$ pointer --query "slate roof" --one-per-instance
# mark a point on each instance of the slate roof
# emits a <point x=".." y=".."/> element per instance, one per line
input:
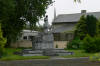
<point x="73" y="17"/>
<point x="63" y="29"/>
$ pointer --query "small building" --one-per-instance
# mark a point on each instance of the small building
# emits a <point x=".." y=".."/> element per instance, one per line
<point x="28" y="34"/>
<point x="64" y="26"/>
<point x="25" y="40"/>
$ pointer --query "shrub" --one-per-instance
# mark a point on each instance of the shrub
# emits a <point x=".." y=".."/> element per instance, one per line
<point x="91" y="44"/>
<point x="56" y="46"/>
<point x="75" y="44"/>
<point x="2" y="43"/>
<point x="97" y="44"/>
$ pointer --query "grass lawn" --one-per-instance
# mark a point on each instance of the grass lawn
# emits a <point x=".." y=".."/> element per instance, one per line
<point x="78" y="53"/>
<point x="10" y="56"/>
<point x="95" y="57"/>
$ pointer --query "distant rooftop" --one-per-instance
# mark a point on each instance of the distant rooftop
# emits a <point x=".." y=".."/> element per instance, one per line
<point x="73" y="17"/>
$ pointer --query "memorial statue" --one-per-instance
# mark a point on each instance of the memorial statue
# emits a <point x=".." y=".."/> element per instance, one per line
<point x="44" y="40"/>
<point x="46" y="25"/>
<point x="42" y="44"/>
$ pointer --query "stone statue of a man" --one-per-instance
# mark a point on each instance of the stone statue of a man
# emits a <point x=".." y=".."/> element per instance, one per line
<point x="46" y="19"/>
<point x="46" y="24"/>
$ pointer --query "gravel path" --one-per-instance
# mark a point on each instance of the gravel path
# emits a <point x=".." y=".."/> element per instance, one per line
<point x="54" y="61"/>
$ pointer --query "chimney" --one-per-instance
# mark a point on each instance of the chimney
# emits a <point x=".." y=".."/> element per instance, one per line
<point x="83" y="12"/>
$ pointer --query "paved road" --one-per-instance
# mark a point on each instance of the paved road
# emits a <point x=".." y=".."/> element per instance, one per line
<point x="51" y="62"/>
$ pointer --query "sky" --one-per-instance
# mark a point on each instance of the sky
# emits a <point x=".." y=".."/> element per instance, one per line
<point x="69" y="7"/>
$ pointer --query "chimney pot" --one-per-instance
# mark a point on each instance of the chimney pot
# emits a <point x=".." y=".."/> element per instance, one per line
<point x="83" y="12"/>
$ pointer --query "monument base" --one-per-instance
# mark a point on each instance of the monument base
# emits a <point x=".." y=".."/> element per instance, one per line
<point x="45" y="52"/>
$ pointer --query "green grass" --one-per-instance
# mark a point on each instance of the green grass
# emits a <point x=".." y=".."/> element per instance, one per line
<point x="95" y="57"/>
<point x="78" y="53"/>
<point x="16" y="57"/>
<point x="10" y="56"/>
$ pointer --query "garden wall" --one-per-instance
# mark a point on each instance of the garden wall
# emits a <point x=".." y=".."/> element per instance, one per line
<point x="27" y="43"/>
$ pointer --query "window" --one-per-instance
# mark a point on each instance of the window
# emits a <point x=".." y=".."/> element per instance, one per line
<point x="63" y="36"/>
<point x="57" y="36"/>
<point x="31" y="37"/>
<point x="25" y="37"/>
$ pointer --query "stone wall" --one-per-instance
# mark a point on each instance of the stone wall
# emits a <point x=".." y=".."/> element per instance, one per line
<point x="22" y="43"/>
<point x="27" y="43"/>
<point x="61" y="44"/>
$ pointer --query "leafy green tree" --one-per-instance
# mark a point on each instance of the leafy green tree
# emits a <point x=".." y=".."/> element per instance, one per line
<point x="13" y="13"/>
<point x="11" y="24"/>
<point x="91" y="23"/>
<point x="2" y="42"/>
<point x="32" y="10"/>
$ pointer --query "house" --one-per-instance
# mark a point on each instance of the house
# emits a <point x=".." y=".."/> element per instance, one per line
<point x="64" y="25"/>
<point x="25" y="40"/>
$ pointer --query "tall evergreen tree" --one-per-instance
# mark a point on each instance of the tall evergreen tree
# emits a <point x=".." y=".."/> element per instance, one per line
<point x="81" y="28"/>
<point x="86" y="25"/>
<point x="98" y="27"/>
<point x="91" y="23"/>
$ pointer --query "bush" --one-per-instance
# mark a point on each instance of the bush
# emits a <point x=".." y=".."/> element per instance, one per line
<point x="91" y="44"/>
<point x="75" y="44"/>
<point x="56" y="46"/>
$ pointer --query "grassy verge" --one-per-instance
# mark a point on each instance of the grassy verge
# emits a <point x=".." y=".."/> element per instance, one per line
<point x="16" y="57"/>
<point x="78" y="53"/>
<point x="10" y="56"/>
<point x="95" y="57"/>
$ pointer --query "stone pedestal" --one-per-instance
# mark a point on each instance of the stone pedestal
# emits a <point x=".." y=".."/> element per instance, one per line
<point x="43" y="41"/>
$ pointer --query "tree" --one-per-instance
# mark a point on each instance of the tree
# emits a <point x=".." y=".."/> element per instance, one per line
<point x="11" y="24"/>
<point x="81" y="28"/>
<point x="32" y="10"/>
<point x="91" y="23"/>
<point x="98" y="28"/>
<point x="86" y="25"/>
<point x="12" y="11"/>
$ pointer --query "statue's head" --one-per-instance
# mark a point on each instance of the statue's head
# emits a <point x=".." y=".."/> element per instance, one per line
<point x="46" y="16"/>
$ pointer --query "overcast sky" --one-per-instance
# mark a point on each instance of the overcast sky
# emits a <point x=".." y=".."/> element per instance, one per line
<point x="69" y="6"/>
